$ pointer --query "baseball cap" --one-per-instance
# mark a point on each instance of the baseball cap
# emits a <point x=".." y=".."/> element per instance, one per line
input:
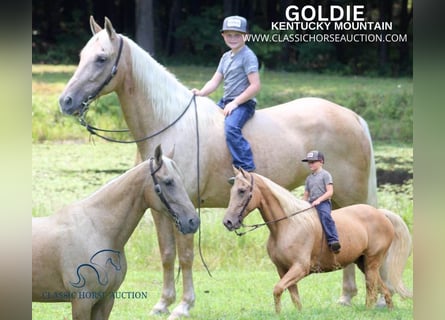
<point x="234" y="23"/>
<point x="314" y="155"/>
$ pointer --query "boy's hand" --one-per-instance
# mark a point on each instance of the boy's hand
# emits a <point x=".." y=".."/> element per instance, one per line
<point x="196" y="92"/>
<point x="229" y="108"/>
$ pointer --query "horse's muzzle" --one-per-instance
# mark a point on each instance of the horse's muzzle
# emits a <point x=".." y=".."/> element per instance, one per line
<point x="189" y="226"/>
<point x="231" y="226"/>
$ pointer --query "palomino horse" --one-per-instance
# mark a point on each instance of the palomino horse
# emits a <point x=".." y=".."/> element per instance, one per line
<point x="297" y="245"/>
<point x="78" y="253"/>
<point x="156" y="105"/>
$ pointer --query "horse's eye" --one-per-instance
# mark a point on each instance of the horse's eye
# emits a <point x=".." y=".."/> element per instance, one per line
<point x="101" y="59"/>
<point x="241" y="192"/>
<point x="168" y="182"/>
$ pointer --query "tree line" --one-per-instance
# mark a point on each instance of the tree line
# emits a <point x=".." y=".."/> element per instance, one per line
<point x="187" y="32"/>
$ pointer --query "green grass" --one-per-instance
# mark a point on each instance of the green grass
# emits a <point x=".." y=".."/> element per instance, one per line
<point x="243" y="275"/>
<point x="242" y="295"/>
<point x="385" y="103"/>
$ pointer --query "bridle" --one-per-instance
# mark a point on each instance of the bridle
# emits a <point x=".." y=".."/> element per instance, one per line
<point x="256" y="226"/>
<point x="246" y="203"/>
<point x="158" y="190"/>
<point x="86" y="103"/>
<point x="94" y="130"/>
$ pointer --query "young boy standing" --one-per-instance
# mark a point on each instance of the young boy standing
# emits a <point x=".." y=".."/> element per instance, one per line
<point x="238" y="68"/>
<point x="318" y="191"/>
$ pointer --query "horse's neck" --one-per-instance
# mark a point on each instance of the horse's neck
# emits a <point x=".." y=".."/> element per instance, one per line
<point x="152" y="98"/>
<point x="116" y="208"/>
<point x="277" y="204"/>
<point x="271" y="209"/>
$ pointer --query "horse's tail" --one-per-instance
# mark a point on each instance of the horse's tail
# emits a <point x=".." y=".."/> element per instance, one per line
<point x="395" y="260"/>
<point x="372" y="180"/>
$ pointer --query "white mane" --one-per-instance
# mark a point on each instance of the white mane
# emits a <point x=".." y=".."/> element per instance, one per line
<point x="291" y="204"/>
<point x="167" y="95"/>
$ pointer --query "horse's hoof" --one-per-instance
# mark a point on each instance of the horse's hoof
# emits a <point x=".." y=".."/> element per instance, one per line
<point x="181" y="311"/>
<point x="344" y="301"/>
<point x="159" y="312"/>
<point x="381" y="303"/>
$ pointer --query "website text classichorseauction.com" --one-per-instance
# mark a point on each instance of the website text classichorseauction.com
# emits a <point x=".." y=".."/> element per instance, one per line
<point x="323" y="22"/>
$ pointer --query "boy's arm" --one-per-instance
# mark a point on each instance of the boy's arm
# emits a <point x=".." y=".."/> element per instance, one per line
<point x="210" y="86"/>
<point x="325" y="196"/>
<point x="306" y="195"/>
<point x="250" y="92"/>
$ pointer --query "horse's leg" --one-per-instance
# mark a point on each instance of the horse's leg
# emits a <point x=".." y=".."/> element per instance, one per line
<point x="167" y="248"/>
<point x="293" y="290"/>
<point x="102" y="309"/>
<point x="185" y="244"/>
<point x="373" y="281"/>
<point x="381" y="301"/>
<point x="295" y="273"/>
<point x="349" y="285"/>
<point x="81" y="309"/>
<point x="385" y="292"/>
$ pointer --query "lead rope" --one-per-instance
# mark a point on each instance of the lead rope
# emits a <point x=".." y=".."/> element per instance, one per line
<point x="198" y="186"/>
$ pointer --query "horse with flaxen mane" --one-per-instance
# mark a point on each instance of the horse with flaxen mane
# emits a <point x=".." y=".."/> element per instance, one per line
<point x="376" y="240"/>
<point x="159" y="109"/>
<point x="78" y="252"/>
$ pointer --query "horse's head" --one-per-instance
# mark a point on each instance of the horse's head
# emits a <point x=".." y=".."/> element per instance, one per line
<point x="172" y="198"/>
<point x="242" y="200"/>
<point x="97" y="72"/>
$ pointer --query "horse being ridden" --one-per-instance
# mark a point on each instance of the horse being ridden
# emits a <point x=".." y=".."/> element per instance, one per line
<point x="297" y="244"/>
<point x="152" y="100"/>
<point x="78" y="253"/>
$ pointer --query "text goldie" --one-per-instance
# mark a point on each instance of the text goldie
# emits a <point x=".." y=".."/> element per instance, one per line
<point x="335" y="13"/>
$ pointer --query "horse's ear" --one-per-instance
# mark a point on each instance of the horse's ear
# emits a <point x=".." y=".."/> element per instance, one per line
<point x="95" y="28"/>
<point x="158" y="154"/>
<point x="243" y="172"/>
<point x="109" y="28"/>
<point x="171" y="153"/>
<point x="235" y="170"/>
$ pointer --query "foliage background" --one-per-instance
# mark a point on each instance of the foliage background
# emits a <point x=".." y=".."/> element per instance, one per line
<point x="188" y="32"/>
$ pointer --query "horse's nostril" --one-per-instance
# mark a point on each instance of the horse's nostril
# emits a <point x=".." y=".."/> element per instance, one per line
<point x="65" y="101"/>
<point x="192" y="222"/>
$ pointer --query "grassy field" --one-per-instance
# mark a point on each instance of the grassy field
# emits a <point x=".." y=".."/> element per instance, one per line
<point x="66" y="167"/>
<point x="243" y="275"/>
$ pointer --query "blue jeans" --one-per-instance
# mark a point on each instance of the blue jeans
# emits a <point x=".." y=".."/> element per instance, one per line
<point x="239" y="147"/>
<point x="328" y="224"/>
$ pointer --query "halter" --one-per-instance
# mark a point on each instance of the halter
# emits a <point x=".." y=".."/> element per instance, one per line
<point x="158" y="190"/>
<point x="256" y="226"/>
<point x="113" y="72"/>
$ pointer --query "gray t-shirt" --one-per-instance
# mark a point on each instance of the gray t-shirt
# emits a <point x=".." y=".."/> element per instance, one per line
<point x="235" y="70"/>
<point x="316" y="184"/>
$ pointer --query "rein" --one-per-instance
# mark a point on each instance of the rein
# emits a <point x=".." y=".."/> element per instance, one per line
<point x="94" y="131"/>
<point x="253" y="227"/>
